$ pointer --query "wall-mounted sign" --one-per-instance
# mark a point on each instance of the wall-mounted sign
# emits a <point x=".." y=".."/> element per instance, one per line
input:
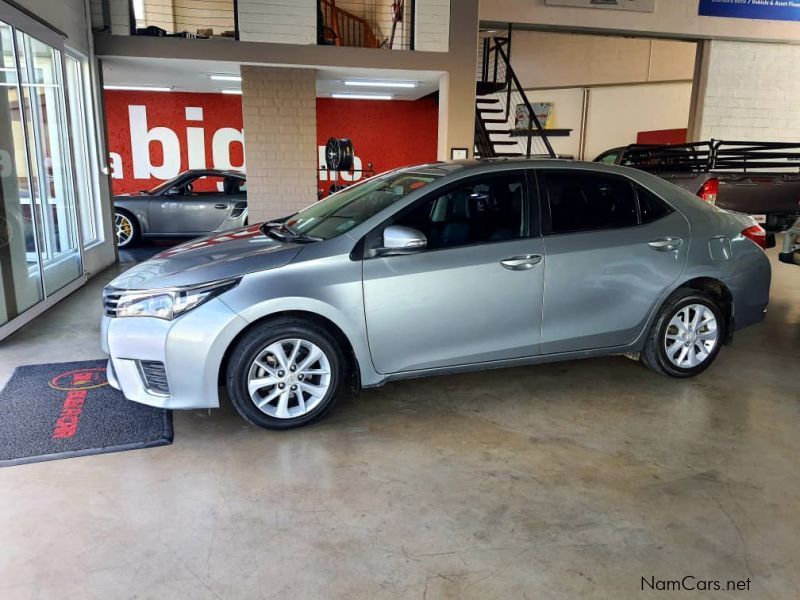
<point x="774" y="10"/>
<point x="635" y="5"/>
<point x="542" y="110"/>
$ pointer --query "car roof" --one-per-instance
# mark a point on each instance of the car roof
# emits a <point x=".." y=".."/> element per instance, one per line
<point x="483" y="165"/>
<point x="222" y="172"/>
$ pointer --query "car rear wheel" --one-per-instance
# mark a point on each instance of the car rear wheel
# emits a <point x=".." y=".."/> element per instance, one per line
<point x="686" y="336"/>
<point x="126" y="229"/>
<point x="285" y="373"/>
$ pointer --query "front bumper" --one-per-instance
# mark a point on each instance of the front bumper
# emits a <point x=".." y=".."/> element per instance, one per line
<point x="191" y="347"/>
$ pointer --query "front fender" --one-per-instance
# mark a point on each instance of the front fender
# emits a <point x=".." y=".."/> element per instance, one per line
<point x="332" y="292"/>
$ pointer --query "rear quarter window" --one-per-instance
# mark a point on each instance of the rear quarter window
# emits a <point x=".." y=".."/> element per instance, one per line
<point x="651" y="207"/>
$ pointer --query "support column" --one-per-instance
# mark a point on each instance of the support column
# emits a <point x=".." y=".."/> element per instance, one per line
<point x="457" y="86"/>
<point x="280" y="137"/>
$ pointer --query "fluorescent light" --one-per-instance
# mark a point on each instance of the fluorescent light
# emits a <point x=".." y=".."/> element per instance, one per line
<point x="363" y="96"/>
<point x="225" y="77"/>
<point x="383" y="84"/>
<point x="138" y="88"/>
<point x="231" y="91"/>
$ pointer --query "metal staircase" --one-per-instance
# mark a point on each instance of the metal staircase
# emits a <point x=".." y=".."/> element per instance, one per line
<point x="505" y="122"/>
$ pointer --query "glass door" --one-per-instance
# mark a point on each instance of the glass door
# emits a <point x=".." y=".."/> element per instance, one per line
<point x="53" y="198"/>
<point x="40" y="237"/>
<point x="20" y="271"/>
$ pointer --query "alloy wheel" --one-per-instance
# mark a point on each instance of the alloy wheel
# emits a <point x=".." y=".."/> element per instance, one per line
<point x="124" y="229"/>
<point x="289" y="378"/>
<point x="691" y="336"/>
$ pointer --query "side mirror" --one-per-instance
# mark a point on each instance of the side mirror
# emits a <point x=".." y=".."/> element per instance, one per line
<point x="398" y="239"/>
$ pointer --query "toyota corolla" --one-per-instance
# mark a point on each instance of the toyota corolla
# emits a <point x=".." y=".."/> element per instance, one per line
<point x="433" y="269"/>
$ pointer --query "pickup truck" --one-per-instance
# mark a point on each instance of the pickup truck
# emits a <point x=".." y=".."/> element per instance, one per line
<point x="761" y="179"/>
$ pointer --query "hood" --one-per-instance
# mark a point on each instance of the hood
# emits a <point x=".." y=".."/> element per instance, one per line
<point x="219" y="256"/>
<point x="142" y="194"/>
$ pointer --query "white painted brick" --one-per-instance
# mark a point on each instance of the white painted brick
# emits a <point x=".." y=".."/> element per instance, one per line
<point x="432" y="27"/>
<point x="278" y="21"/>
<point x="752" y="92"/>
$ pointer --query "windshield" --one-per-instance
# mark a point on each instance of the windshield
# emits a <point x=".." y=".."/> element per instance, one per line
<point x="352" y="206"/>
<point x="169" y="183"/>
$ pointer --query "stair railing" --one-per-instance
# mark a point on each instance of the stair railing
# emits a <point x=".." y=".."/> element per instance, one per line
<point x="349" y="29"/>
<point x="496" y="68"/>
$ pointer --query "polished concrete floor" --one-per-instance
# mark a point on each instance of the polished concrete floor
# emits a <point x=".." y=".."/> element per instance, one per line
<point x="570" y="480"/>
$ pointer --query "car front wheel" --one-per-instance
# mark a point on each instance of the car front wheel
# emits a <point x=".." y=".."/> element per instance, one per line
<point x="285" y="373"/>
<point x="687" y="335"/>
<point x="126" y="229"/>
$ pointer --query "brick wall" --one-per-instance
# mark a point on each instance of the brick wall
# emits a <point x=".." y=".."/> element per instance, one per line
<point x="278" y="21"/>
<point x="751" y="92"/>
<point x="432" y="25"/>
<point x="279" y="118"/>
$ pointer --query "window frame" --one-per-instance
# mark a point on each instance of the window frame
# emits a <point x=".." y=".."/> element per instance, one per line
<point x="546" y="208"/>
<point x="364" y="249"/>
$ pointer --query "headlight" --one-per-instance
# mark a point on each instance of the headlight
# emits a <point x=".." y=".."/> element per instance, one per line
<point x="167" y="303"/>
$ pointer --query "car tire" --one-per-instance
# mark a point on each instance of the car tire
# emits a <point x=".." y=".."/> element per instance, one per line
<point x="126" y="228"/>
<point x="287" y="397"/>
<point x="686" y="336"/>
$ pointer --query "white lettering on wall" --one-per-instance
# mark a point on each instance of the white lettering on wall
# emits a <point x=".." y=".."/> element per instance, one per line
<point x="142" y="137"/>
<point x="221" y="148"/>
<point x="115" y="162"/>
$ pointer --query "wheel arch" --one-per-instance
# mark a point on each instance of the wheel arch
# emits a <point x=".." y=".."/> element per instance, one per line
<point x="353" y="365"/>
<point x="717" y="290"/>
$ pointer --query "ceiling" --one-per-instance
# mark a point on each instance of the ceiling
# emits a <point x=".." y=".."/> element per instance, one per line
<point x="193" y="76"/>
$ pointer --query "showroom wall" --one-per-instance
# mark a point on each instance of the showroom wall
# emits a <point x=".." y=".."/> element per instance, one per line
<point x="200" y="130"/>
<point x="605" y="89"/>
<point x="548" y="59"/>
<point x="672" y="18"/>
<point x="750" y="92"/>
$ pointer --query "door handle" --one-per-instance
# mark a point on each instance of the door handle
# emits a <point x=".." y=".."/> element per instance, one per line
<point x="665" y="244"/>
<point x="221" y="206"/>
<point x="521" y="263"/>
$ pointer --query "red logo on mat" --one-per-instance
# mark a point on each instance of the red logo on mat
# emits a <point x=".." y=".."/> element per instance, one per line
<point x="77" y="385"/>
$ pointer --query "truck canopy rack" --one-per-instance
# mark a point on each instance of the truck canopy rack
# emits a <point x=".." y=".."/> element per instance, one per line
<point x="715" y="155"/>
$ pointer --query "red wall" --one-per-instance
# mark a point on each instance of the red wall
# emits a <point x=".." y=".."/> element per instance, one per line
<point x="388" y="134"/>
<point x="662" y="136"/>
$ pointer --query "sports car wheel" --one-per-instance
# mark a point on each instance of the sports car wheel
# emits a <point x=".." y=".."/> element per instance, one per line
<point x="126" y="229"/>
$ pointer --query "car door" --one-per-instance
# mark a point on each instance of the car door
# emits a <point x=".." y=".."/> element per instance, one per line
<point x="612" y="249"/>
<point x="474" y="294"/>
<point x="236" y="194"/>
<point x="197" y="204"/>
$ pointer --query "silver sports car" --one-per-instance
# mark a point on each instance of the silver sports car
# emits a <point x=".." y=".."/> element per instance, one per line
<point x="192" y="204"/>
<point x="434" y="269"/>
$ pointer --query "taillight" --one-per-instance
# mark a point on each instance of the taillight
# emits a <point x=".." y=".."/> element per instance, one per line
<point x="709" y="190"/>
<point x="756" y="234"/>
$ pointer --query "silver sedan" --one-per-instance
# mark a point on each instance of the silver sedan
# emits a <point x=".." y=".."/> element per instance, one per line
<point x="195" y="203"/>
<point x="439" y="268"/>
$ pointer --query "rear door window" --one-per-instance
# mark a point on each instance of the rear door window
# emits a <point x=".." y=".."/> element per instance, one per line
<point x="583" y="201"/>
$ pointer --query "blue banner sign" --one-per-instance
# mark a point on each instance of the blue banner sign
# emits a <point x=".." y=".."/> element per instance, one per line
<point x="776" y="10"/>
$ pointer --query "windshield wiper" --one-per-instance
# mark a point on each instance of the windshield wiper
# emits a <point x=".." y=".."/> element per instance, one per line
<point x="282" y="232"/>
